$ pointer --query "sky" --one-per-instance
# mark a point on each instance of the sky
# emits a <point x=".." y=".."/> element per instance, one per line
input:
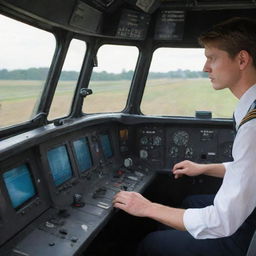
<point x="23" y="46"/>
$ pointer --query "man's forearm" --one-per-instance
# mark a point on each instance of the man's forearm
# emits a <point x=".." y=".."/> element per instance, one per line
<point x="215" y="170"/>
<point x="169" y="216"/>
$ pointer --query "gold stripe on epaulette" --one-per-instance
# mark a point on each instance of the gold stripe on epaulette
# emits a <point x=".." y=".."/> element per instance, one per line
<point x="251" y="112"/>
<point x="248" y="117"/>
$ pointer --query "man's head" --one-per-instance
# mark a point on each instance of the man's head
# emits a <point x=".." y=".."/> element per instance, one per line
<point x="230" y="49"/>
<point x="232" y="36"/>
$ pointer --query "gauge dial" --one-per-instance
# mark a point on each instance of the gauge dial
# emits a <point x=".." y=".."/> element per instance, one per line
<point x="144" y="140"/>
<point x="180" y="138"/>
<point x="143" y="154"/>
<point x="157" y="141"/>
<point x="188" y="153"/>
<point x="174" y="151"/>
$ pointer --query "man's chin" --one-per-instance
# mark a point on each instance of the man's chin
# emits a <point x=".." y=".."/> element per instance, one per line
<point x="216" y="86"/>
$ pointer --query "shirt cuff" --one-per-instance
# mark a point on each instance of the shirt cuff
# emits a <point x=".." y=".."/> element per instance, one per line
<point x="226" y="164"/>
<point x="193" y="222"/>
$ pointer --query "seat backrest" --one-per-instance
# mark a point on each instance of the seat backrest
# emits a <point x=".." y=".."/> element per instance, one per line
<point x="252" y="247"/>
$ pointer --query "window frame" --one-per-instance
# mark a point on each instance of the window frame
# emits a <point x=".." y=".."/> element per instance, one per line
<point x="77" y="82"/>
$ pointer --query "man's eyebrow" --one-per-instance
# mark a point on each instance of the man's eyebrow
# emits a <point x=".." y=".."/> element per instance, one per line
<point x="209" y="55"/>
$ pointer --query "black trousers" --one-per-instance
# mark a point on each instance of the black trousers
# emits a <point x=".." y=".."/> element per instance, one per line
<point x="170" y="242"/>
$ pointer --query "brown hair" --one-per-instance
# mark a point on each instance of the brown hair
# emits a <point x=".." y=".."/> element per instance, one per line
<point x="232" y="36"/>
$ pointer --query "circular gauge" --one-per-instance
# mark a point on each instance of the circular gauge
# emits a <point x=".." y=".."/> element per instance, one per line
<point x="128" y="162"/>
<point x="188" y="153"/>
<point x="180" y="138"/>
<point x="157" y="141"/>
<point x="143" y="154"/>
<point x="174" y="151"/>
<point x="144" y="140"/>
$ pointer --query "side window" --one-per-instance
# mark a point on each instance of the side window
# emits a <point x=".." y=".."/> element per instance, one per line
<point x="68" y="80"/>
<point x="25" y="53"/>
<point x="111" y="80"/>
<point x="176" y="86"/>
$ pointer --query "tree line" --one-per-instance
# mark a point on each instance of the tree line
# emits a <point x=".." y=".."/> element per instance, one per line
<point x="41" y="74"/>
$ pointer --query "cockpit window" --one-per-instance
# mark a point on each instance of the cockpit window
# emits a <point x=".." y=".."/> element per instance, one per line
<point x="111" y="79"/>
<point x="176" y="86"/>
<point x="66" y="86"/>
<point x="25" y="53"/>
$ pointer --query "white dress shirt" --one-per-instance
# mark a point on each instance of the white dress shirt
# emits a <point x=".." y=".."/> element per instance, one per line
<point x="236" y="198"/>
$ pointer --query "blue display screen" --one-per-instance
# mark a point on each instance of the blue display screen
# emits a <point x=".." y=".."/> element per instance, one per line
<point x="106" y="146"/>
<point x="19" y="185"/>
<point x="83" y="154"/>
<point x="59" y="165"/>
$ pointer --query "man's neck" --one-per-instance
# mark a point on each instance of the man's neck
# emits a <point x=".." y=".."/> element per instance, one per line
<point x="243" y="85"/>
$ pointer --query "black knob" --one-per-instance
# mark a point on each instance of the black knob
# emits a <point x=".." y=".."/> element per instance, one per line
<point x="77" y="200"/>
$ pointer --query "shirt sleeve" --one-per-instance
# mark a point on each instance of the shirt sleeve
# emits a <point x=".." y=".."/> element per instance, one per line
<point x="236" y="198"/>
<point x="226" y="164"/>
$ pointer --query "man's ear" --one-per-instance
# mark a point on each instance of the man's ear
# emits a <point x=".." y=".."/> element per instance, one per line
<point x="243" y="59"/>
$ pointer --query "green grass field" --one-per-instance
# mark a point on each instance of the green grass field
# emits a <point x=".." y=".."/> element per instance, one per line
<point x="173" y="97"/>
<point x="184" y="97"/>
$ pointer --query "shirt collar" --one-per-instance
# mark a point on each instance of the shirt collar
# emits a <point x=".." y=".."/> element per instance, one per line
<point x="244" y="104"/>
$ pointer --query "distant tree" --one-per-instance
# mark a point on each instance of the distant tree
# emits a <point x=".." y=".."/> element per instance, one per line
<point x="41" y="74"/>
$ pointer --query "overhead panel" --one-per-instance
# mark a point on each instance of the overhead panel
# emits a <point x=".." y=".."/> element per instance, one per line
<point x="86" y="18"/>
<point x="133" y="25"/>
<point x="170" y="25"/>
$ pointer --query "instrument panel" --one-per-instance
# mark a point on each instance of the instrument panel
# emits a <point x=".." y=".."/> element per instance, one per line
<point x="68" y="181"/>
<point x="166" y="147"/>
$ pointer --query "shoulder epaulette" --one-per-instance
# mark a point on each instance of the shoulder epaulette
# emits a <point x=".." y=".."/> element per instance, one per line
<point x="249" y="116"/>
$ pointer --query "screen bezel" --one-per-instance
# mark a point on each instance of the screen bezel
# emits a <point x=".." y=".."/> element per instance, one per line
<point x="30" y="167"/>
<point x="89" y="150"/>
<point x="69" y="159"/>
<point x="103" y="133"/>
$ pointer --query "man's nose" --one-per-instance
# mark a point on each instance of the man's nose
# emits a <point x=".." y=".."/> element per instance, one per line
<point x="206" y="68"/>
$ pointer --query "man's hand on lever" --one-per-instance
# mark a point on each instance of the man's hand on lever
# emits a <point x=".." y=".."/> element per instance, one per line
<point x="131" y="202"/>
<point x="187" y="168"/>
<point x="137" y="205"/>
<point x="190" y="168"/>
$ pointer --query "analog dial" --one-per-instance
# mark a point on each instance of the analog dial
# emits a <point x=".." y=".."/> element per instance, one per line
<point x="180" y="138"/>
<point x="188" y="153"/>
<point x="157" y="141"/>
<point x="144" y="140"/>
<point x="174" y="151"/>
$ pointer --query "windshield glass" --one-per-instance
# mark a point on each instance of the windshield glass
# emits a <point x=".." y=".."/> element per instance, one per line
<point x="26" y="53"/>
<point x="111" y="79"/>
<point x="176" y="86"/>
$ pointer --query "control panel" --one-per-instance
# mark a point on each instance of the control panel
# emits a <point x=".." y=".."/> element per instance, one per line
<point x="71" y="228"/>
<point x="56" y="196"/>
<point x="164" y="147"/>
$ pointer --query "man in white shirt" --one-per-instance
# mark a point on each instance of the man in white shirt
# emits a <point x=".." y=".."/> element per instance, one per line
<point x="224" y="224"/>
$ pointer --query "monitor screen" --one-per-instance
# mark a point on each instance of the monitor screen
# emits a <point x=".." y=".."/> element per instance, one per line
<point x="106" y="145"/>
<point x="60" y="165"/>
<point x="19" y="185"/>
<point x="83" y="155"/>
